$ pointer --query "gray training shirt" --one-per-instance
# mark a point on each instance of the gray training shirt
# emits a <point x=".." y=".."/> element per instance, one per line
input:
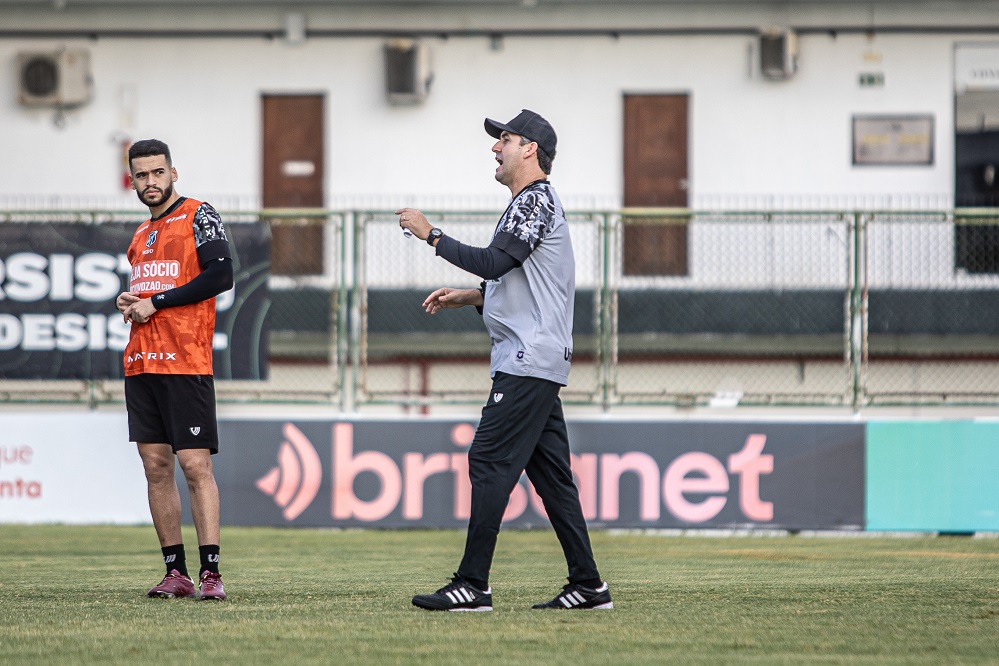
<point x="528" y="311"/>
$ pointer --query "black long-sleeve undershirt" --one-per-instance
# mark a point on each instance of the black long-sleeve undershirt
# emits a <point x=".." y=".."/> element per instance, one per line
<point x="489" y="263"/>
<point x="215" y="277"/>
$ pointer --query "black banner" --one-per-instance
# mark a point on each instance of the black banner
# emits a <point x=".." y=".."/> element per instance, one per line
<point x="630" y="474"/>
<point x="58" y="283"/>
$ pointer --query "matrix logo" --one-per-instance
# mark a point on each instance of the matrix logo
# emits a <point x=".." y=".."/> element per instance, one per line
<point x="295" y="481"/>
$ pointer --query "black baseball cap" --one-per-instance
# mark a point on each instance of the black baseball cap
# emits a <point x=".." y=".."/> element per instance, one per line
<point x="529" y="125"/>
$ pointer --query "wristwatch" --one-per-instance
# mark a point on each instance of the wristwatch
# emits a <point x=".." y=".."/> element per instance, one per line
<point x="434" y="234"/>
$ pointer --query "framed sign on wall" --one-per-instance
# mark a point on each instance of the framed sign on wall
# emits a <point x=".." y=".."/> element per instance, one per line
<point x="880" y="140"/>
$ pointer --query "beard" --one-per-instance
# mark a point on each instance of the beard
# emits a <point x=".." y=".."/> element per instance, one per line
<point x="502" y="177"/>
<point x="167" y="193"/>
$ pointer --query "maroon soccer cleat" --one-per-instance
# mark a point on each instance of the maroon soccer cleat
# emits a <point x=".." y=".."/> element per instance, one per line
<point x="174" y="586"/>
<point x="211" y="586"/>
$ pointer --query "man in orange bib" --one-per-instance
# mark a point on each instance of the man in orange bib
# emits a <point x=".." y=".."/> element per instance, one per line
<point x="180" y="262"/>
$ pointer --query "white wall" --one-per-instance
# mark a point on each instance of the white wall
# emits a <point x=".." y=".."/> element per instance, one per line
<point x="752" y="142"/>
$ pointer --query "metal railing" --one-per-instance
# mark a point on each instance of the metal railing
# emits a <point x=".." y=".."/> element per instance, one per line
<point x="674" y="307"/>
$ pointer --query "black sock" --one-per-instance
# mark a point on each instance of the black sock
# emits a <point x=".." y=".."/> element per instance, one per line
<point x="592" y="583"/>
<point x="174" y="559"/>
<point x="209" y="558"/>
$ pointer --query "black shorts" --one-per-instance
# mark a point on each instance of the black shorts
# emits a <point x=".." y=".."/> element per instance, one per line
<point x="178" y="410"/>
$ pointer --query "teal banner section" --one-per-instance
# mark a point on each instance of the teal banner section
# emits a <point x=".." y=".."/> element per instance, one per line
<point x="940" y="476"/>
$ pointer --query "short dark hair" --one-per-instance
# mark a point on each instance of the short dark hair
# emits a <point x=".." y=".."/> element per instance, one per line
<point x="544" y="159"/>
<point x="149" y="148"/>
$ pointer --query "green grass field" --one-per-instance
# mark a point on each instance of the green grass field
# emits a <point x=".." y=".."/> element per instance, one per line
<point x="73" y="594"/>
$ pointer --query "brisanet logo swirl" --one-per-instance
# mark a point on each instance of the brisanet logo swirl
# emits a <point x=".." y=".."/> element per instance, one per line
<point x="295" y="481"/>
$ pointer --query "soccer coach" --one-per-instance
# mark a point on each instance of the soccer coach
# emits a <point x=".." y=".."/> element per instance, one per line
<point x="526" y="300"/>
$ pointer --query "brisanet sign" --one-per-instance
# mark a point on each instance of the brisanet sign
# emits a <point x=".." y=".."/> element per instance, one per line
<point x="414" y="473"/>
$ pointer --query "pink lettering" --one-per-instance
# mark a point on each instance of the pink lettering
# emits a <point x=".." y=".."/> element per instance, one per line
<point x="295" y="481"/>
<point x="612" y="466"/>
<point x="15" y="455"/>
<point x="19" y="488"/>
<point x="584" y="468"/>
<point x="462" y="434"/>
<point x="749" y="464"/>
<point x="676" y="483"/>
<point x="417" y="469"/>
<point x="462" y="486"/>
<point x="346" y="466"/>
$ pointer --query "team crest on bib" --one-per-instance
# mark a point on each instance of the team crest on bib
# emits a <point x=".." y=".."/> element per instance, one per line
<point x="497" y="397"/>
<point x="152" y="238"/>
<point x="196" y="430"/>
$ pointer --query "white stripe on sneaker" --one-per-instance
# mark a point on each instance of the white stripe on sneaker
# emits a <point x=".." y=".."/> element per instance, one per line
<point x="460" y="596"/>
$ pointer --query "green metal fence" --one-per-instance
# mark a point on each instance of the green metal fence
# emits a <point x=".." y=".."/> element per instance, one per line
<point x="674" y="307"/>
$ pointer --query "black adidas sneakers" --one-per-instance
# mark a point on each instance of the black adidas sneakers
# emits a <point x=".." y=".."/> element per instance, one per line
<point x="575" y="597"/>
<point x="456" y="596"/>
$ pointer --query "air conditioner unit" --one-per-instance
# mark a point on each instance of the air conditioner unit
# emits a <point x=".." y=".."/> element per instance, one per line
<point x="54" y="78"/>
<point x="407" y="71"/>
<point x="778" y="54"/>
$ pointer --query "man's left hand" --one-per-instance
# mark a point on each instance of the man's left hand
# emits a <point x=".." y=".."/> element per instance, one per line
<point x="415" y="221"/>
<point x="140" y="311"/>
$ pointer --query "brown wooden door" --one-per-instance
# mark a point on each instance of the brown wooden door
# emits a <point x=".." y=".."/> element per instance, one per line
<point x="293" y="177"/>
<point x="655" y="176"/>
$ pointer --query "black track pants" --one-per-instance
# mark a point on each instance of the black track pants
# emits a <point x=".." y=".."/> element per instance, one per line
<point x="523" y="428"/>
